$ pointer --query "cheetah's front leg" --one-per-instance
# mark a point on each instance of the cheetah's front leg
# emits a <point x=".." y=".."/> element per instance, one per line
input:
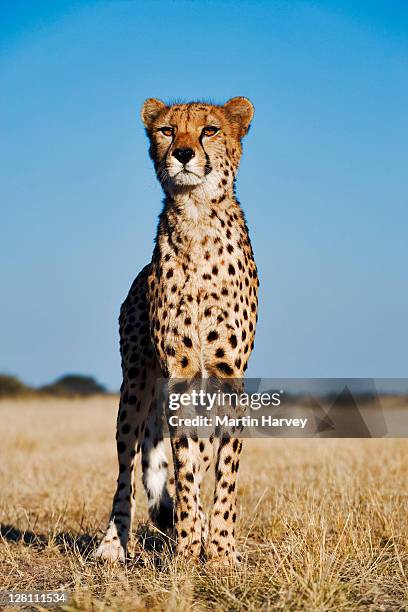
<point x="189" y="517"/>
<point x="221" y="543"/>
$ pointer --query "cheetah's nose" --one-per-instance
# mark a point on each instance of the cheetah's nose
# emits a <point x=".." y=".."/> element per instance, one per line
<point x="183" y="155"/>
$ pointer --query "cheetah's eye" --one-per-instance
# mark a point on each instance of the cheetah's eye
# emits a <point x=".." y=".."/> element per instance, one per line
<point x="167" y="131"/>
<point x="210" y="130"/>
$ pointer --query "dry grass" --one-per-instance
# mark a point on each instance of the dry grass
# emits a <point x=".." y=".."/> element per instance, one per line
<point x="322" y="526"/>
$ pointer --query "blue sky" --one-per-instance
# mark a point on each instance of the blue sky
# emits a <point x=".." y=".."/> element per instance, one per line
<point x="323" y="180"/>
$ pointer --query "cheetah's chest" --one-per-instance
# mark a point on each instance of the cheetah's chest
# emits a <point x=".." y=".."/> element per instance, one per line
<point x="193" y="297"/>
<point x="200" y="285"/>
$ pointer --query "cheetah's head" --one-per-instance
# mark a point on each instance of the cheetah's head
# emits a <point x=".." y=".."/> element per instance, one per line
<point x="196" y="144"/>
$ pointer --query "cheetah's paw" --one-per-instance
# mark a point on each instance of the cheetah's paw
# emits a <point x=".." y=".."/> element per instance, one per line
<point x="110" y="550"/>
<point x="233" y="559"/>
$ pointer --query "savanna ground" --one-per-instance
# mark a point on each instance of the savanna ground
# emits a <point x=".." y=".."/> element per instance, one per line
<point x="322" y="523"/>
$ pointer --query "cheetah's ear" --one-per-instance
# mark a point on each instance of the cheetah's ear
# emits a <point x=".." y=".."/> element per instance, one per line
<point x="150" y="109"/>
<point x="240" y="111"/>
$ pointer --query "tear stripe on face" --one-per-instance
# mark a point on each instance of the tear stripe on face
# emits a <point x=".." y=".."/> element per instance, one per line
<point x="207" y="167"/>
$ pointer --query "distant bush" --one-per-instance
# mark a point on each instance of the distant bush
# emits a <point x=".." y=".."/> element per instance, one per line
<point x="11" y="385"/>
<point x="74" y="384"/>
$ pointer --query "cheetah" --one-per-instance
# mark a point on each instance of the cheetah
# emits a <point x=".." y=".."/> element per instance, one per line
<point x="190" y="313"/>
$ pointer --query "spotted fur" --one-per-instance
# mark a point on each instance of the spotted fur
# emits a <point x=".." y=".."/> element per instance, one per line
<point x="190" y="313"/>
